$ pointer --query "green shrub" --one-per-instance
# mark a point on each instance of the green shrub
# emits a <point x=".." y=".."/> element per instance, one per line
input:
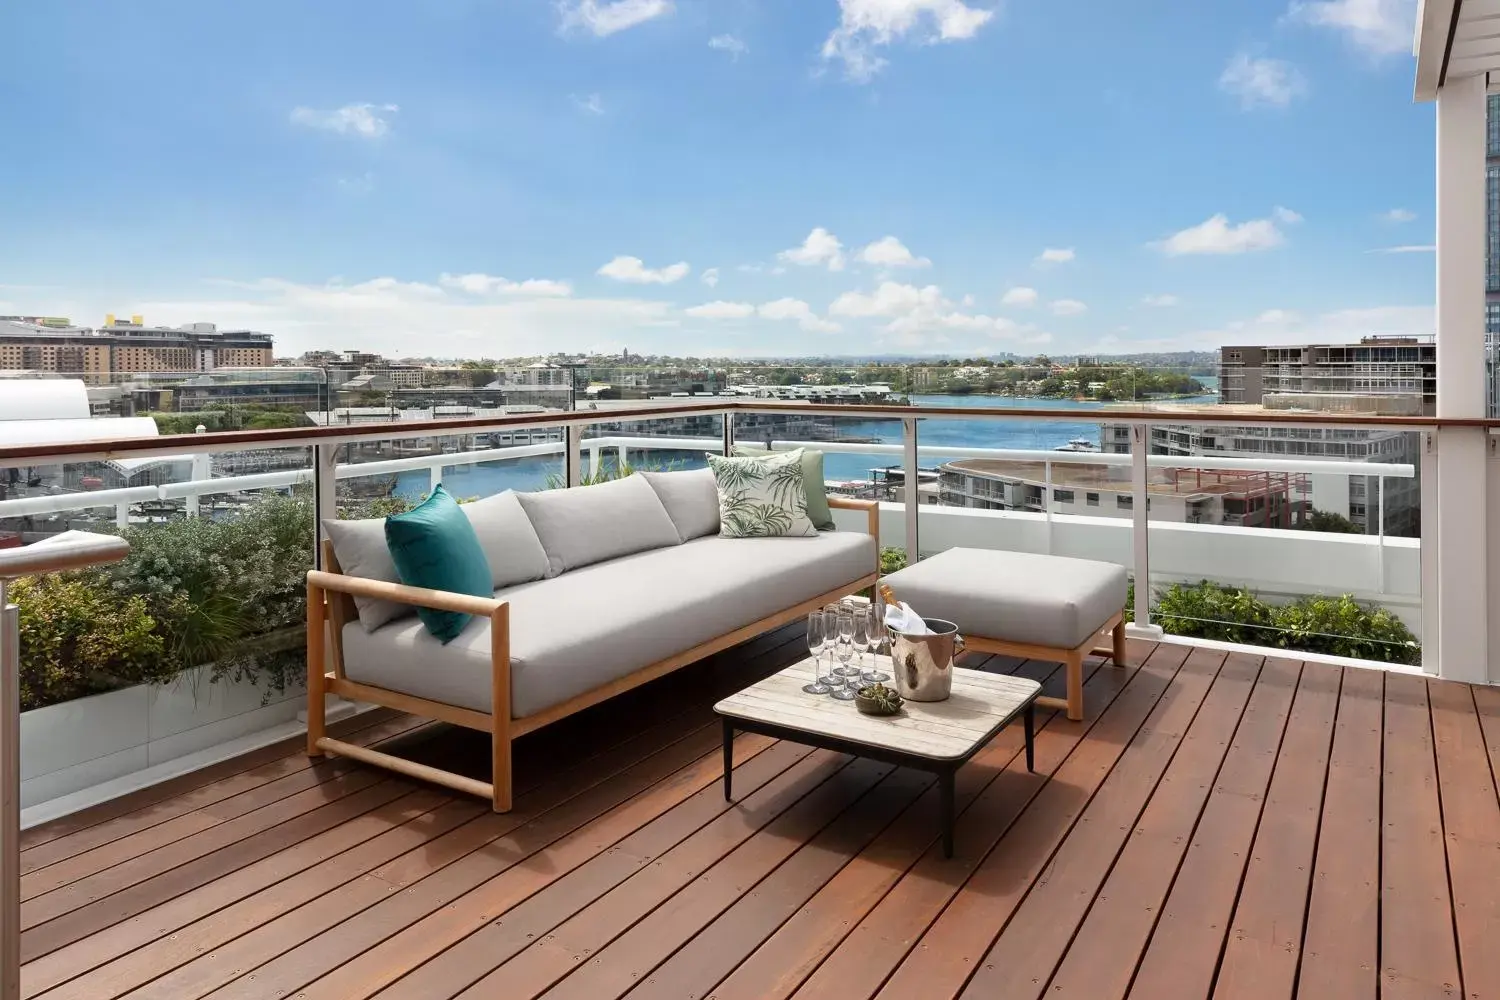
<point x="1338" y="626"/>
<point x="892" y="559"/>
<point x="78" y="638"/>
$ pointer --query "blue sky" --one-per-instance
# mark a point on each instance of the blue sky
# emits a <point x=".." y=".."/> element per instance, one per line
<point x="752" y="177"/>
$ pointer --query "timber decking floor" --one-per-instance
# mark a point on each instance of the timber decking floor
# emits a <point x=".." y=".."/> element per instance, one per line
<point x="1225" y="826"/>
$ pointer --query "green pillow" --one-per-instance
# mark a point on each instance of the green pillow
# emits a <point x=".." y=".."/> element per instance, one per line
<point x="812" y="482"/>
<point x="434" y="546"/>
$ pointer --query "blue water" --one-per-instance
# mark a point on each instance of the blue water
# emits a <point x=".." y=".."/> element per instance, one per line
<point x="1041" y="435"/>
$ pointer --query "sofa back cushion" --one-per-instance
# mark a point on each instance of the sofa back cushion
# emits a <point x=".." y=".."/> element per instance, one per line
<point x="361" y="551"/>
<point x="510" y="544"/>
<point x="691" y="500"/>
<point x="589" y="524"/>
<point x="435" y="547"/>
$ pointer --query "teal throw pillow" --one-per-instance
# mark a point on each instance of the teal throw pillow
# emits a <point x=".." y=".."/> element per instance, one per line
<point x="812" y="483"/>
<point x="434" y="546"/>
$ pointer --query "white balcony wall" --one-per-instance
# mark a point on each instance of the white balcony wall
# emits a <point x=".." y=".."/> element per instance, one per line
<point x="1277" y="564"/>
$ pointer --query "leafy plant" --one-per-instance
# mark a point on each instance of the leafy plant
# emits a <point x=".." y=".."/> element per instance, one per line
<point x="78" y="637"/>
<point x="892" y="559"/>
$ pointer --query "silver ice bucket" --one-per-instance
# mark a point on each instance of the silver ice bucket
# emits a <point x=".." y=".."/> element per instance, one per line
<point x="923" y="664"/>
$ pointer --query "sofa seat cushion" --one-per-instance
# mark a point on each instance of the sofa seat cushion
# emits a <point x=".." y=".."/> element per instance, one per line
<point x="575" y="632"/>
<point x="1014" y="596"/>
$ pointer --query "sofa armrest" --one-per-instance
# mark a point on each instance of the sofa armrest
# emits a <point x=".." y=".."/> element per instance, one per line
<point x="438" y="600"/>
<point x="870" y="507"/>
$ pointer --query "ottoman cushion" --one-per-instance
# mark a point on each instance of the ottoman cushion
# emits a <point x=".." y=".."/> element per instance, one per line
<point x="1014" y="596"/>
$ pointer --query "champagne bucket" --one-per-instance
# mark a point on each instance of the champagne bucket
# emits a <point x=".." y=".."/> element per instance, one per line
<point x="923" y="664"/>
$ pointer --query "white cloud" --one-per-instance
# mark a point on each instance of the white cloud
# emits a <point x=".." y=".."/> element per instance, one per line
<point x="911" y="309"/>
<point x="1380" y="27"/>
<point x="1216" y="236"/>
<point x="1398" y="216"/>
<point x="866" y="25"/>
<point x="1407" y="248"/>
<point x="797" y="310"/>
<point x="487" y="284"/>
<point x="402" y="318"/>
<point x="891" y="252"/>
<point x="593" y="104"/>
<point x="1055" y="255"/>
<point x="721" y="310"/>
<point x="710" y="277"/>
<point x="1285" y="215"/>
<point x="605" y="17"/>
<point x="1262" y="82"/>
<point x="968" y="301"/>
<point x="1276" y="317"/>
<point x="1021" y="296"/>
<point x="1069" y="307"/>
<point x="635" y="271"/>
<point x="729" y="43"/>
<point x="1160" y="301"/>
<point x="369" y="121"/>
<point x="820" y="248"/>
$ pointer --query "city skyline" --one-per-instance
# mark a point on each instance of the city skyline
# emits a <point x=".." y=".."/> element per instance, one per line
<point x="746" y="179"/>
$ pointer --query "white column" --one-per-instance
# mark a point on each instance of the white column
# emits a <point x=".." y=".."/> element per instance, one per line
<point x="1461" y="546"/>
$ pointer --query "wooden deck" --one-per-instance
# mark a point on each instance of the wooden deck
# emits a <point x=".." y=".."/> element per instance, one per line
<point x="1219" y="826"/>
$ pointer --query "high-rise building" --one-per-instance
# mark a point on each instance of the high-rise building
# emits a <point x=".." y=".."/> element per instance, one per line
<point x="1390" y="375"/>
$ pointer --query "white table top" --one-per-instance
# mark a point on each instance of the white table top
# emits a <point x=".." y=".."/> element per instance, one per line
<point x="980" y="704"/>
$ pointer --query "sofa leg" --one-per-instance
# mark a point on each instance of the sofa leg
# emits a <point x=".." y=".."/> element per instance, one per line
<point x="500" y="779"/>
<point x="1119" y="637"/>
<point x="1074" y="664"/>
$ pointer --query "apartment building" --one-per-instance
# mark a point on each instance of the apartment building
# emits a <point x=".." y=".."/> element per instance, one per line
<point x="1395" y="376"/>
<point x="1192" y="496"/>
<point x="120" y="347"/>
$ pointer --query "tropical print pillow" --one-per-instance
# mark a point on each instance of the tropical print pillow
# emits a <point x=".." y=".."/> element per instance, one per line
<point x="761" y="497"/>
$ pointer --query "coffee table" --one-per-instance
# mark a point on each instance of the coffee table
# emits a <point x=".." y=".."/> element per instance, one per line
<point x="936" y="736"/>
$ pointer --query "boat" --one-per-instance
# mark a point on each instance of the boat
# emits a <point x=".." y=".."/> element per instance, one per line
<point x="1078" y="444"/>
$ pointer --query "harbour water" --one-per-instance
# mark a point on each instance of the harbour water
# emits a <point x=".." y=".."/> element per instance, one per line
<point x="1039" y="435"/>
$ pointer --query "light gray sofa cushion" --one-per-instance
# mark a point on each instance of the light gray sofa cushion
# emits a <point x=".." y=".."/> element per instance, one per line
<point x="574" y="632"/>
<point x="1015" y="596"/>
<point x="361" y="551"/>
<point x="509" y="541"/>
<point x="505" y="533"/>
<point x="691" y="499"/>
<point x="589" y="524"/>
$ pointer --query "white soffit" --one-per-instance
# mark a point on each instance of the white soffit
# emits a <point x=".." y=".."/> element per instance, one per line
<point x="1456" y="39"/>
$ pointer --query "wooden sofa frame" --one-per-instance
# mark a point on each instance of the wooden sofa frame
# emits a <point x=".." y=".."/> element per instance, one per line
<point x="330" y="605"/>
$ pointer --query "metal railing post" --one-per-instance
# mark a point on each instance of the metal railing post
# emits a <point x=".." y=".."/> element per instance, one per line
<point x="434" y="476"/>
<point x="325" y="494"/>
<point x="10" y="796"/>
<point x="202" y="469"/>
<point x="1140" y="435"/>
<point x="1047" y="501"/>
<point x="593" y="461"/>
<point x="728" y="421"/>
<point x="1380" y="520"/>
<point x="122" y="514"/>
<point x="912" y="500"/>
<point x="573" y="455"/>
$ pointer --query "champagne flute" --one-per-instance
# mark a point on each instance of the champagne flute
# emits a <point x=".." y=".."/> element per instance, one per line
<point x="845" y="650"/>
<point x="817" y="639"/>
<point x="875" y="634"/>
<point x="860" y="640"/>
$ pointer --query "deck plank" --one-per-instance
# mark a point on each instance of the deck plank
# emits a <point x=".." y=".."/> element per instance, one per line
<point x="1340" y="945"/>
<point x="1417" y="951"/>
<point x="1265" y="938"/>
<point x="1184" y="949"/>
<point x="1136" y="830"/>
<point x="960" y="901"/>
<point x="1471" y="827"/>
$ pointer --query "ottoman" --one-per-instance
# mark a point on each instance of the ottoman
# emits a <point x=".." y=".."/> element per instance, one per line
<point x="1022" y="604"/>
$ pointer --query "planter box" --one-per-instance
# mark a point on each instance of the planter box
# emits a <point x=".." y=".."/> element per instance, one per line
<point x="87" y="742"/>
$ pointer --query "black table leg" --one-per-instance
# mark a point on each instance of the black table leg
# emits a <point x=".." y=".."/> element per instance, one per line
<point x="728" y="756"/>
<point x="1030" y="722"/>
<point x="945" y="794"/>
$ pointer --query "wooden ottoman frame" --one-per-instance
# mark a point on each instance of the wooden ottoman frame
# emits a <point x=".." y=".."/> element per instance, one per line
<point x="1072" y="659"/>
